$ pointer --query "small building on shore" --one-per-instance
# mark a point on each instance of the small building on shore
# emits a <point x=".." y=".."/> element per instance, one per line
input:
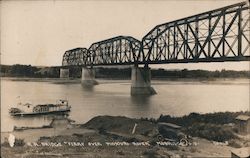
<point x="243" y="124"/>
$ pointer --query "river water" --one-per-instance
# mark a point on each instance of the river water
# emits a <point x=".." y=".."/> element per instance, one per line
<point x="175" y="98"/>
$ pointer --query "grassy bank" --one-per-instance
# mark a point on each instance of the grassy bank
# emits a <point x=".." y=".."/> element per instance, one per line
<point x="204" y="129"/>
<point x="212" y="126"/>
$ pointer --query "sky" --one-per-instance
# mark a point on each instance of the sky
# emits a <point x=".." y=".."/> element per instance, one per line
<point x="39" y="32"/>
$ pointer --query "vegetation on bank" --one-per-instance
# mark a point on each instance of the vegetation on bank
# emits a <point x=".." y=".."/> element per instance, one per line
<point x="118" y="130"/>
<point x="28" y="71"/>
<point x="218" y="126"/>
<point x="116" y="73"/>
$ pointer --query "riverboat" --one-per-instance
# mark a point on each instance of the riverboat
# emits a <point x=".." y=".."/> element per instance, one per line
<point x="28" y="109"/>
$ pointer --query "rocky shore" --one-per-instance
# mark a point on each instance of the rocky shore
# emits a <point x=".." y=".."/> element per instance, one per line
<point x="117" y="136"/>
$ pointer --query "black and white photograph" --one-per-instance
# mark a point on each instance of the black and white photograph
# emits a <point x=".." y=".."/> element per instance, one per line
<point x="125" y="78"/>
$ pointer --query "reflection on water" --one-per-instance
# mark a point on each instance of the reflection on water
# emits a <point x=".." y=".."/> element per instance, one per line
<point x="141" y="100"/>
<point x="174" y="98"/>
<point x="87" y="88"/>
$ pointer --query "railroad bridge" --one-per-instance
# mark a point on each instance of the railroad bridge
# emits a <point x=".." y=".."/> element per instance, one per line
<point x="218" y="35"/>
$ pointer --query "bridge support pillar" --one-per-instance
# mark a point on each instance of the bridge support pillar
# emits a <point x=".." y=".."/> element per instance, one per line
<point x="141" y="81"/>
<point x="64" y="73"/>
<point x="88" y="77"/>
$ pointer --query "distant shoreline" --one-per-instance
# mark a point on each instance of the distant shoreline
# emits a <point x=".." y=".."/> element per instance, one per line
<point x="119" y="73"/>
<point x="42" y="79"/>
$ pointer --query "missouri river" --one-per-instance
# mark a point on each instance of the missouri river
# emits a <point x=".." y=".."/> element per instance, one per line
<point x="113" y="98"/>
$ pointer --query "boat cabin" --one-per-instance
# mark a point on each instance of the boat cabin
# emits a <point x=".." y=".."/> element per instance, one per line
<point x="61" y="105"/>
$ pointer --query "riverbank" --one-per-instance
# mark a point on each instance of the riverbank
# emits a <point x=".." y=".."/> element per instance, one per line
<point x="117" y="136"/>
<point x="18" y="70"/>
<point x="52" y="80"/>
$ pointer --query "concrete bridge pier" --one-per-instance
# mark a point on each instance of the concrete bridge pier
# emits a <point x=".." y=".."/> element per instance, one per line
<point x="64" y="73"/>
<point x="88" y="77"/>
<point x="141" y="81"/>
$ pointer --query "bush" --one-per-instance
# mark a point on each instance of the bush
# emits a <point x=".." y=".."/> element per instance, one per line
<point x="19" y="142"/>
<point x="210" y="131"/>
<point x="218" y="118"/>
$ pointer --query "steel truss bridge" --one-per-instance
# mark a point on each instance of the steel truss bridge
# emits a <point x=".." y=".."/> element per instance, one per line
<point x="215" y="36"/>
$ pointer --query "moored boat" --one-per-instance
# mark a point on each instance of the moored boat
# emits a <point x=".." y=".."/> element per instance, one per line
<point x="28" y="109"/>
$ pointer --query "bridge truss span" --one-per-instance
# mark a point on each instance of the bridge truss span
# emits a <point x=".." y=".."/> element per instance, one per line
<point x="217" y="35"/>
<point x="75" y="57"/>
<point x="214" y="36"/>
<point x="118" y="50"/>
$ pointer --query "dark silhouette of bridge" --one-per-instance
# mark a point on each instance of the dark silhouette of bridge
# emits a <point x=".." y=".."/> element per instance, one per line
<point x="214" y="36"/>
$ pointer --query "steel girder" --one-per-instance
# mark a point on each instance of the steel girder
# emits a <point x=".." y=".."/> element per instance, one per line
<point x="115" y="51"/>
<point x="75" y="57"/>
<point x="214" y="36"/>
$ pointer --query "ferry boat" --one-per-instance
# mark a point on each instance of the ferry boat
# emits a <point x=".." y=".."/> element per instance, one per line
<point x="28" y="109"/>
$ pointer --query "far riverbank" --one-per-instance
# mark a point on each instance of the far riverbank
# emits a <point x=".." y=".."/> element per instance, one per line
<point x="154" y="80"/>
